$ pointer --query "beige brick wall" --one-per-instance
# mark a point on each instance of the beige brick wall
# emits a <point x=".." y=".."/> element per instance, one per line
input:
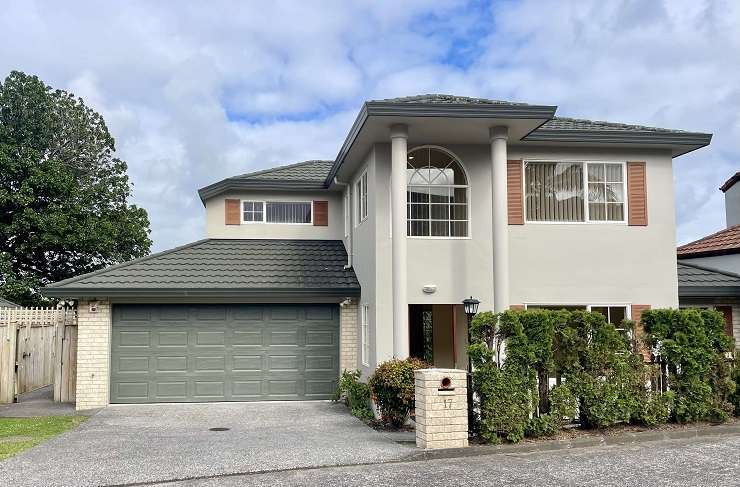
<point x="93" y="354"/>
<point x="441" y="415"/>
<point x="348" y="333"/>
<point x="736" y="325"/>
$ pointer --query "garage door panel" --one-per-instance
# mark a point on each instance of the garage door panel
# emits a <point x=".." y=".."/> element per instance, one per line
<point x="186" y="353"/>
<point x="133" y="364"/>
<point x="320" y="363"/>
<point x="209" y="389"/>
<point x="133" y="338"/>
<point x="246" y="389"/>
<point x="172" y="364"/>
<point x="131" y="391"/>
<point x="247" y="338"/>
<point x="172" y="338"/>
<point x="171" y="390"/>
<point x="247" y="363"/>
<point x="210" y="338"/>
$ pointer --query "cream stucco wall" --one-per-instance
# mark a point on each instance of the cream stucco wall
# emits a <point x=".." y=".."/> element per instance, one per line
<point x="216" y="225"/>
<point x="550" y="263"/>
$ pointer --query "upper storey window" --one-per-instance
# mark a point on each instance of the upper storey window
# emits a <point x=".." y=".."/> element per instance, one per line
<point x="437" y="194"/>
<point x="575" y="192"/>
<point x="276" y="212"/>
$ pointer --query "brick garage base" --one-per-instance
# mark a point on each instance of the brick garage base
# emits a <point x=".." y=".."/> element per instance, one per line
<point x="93" y="354"/>
<point x="441" y="404"/>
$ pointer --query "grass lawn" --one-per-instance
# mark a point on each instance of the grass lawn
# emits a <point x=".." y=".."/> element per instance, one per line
<point x="18" y="434"/>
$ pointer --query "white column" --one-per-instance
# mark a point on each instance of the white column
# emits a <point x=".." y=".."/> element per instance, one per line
<point x="399" y="138"/>
<point x="498" y="137"/>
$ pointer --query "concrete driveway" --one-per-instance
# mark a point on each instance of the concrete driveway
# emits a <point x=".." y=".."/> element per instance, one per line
<point x="141" y="444"/>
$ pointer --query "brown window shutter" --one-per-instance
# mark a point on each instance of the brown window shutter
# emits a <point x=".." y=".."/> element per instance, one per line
<point x="637" y="194"/>
<point x="517" y="307"/>
<point x="637" y="310"/>
<point x="515" y="198"/>
<point x="727" y="312"/>
<point x="321" y="213"/>
<point x="232" y="212"/>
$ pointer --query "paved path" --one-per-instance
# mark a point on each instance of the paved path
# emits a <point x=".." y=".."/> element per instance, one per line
<point x="130" y="444"/>
<point x="705" y="462"/>
<point x="37" y="403"/>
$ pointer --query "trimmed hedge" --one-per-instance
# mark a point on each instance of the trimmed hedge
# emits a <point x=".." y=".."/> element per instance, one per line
<point x="602" y="380"/>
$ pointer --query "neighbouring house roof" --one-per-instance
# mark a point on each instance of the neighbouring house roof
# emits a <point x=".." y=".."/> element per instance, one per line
<point x="700" y="281"/>
<point x="730" y="182"/>
<point x="308" y="175"/>
<point x="224" y="268"/>
<point x="724" y="242"/>
<point x="4" y="303"/>
<point x="319" y="175"/>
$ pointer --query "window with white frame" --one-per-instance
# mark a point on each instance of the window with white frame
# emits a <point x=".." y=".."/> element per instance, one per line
<point x="295" y="212"/>
<point x="574" y="191"/>
<point x="436" y="195"/>
<point x="361" y="192"/>
<point x="288" y="212"/>
<point x="365" y="334"/>
<point x="253" y="211"/>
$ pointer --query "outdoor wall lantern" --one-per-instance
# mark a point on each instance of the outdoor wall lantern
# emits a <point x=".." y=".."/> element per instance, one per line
<point x="471" y="308"/>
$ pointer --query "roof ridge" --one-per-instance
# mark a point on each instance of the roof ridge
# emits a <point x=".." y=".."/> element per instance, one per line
<point x="127" y="263"/>
<point x="277" y="168"/>
<point x="709" y="269"/>
<point x="733" y="227"/>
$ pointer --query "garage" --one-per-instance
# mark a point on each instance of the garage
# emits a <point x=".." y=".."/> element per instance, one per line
<point x="216" y="352"/>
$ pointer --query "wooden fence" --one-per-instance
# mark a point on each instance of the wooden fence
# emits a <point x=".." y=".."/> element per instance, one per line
<point x="37" y="349"/>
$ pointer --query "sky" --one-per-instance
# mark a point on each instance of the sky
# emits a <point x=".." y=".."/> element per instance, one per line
<point x="195" y="92"/>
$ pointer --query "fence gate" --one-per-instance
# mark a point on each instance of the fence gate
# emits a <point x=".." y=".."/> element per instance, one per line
<point x="33" y="352"/>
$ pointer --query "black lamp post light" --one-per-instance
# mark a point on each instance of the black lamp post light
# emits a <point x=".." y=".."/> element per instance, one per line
<point x="471" y="309"/>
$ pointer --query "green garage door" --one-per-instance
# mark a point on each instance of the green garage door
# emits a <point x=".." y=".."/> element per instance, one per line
<point x="198" y="353"/>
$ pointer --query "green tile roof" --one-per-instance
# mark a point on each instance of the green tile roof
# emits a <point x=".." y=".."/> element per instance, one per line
<point x="222" y="267"/>
<point x="316" y="170"/>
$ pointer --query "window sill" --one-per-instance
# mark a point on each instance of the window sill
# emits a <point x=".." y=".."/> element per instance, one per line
<point x="623" y="223"/>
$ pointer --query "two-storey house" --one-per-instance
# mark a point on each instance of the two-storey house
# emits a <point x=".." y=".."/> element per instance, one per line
<point x="320" y="266"/>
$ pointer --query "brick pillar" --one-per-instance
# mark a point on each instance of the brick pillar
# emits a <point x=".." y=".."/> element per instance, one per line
<point x="93" y="354"/>
<point x="441" y="408"/>
<point x="348" y="336"/>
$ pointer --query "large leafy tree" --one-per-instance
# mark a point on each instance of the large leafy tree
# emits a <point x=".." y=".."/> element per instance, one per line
<point x="63" y="193"/>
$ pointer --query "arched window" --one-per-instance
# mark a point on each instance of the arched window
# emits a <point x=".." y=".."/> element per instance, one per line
<point x="437" y="194"/>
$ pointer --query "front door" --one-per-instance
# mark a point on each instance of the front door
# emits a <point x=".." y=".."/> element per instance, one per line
<point x="438" y="334"/>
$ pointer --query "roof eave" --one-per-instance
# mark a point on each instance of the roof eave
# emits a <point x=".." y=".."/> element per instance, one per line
<point x="707" y="253"/>
<point x="689" y="140"/>
<point x="78" y="292"/>
<point x="451" y="110"/>
<point x="230" y="184"/>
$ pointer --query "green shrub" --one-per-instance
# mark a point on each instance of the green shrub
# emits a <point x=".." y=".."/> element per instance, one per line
<point x="505" y="402"/>
<point x="735" y="397"/>
<point x="355" y="394"/>
<point x="545" y="425"/>
<point x="393" y="390"/>
<point x="693" y="344"/>
<point x="563" y="403"/>
<point x="654" y="408"/>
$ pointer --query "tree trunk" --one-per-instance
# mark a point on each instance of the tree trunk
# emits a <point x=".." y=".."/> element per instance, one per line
<point x="544" y="391"/>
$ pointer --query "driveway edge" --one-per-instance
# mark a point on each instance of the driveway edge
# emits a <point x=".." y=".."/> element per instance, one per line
<point x="600" y="440"/>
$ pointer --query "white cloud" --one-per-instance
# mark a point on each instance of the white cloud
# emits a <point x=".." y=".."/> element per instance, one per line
<point x="196" y="91"/>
